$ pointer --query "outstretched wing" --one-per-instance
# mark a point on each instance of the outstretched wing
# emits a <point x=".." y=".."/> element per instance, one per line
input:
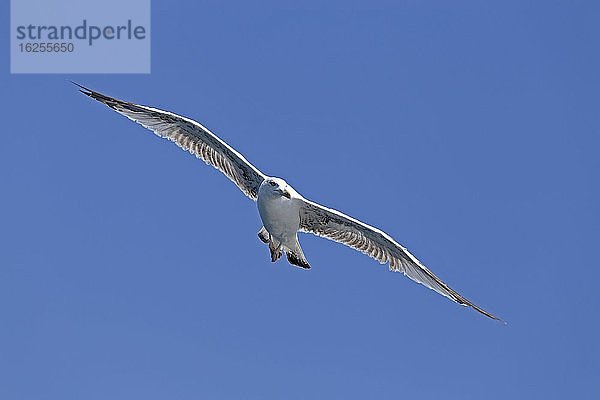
<point x="334" y="225"/>
<point x="190" y="136"/>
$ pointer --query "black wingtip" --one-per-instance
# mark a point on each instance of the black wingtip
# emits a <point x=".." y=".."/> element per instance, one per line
<point x="83" y="89"/>
<point x="487" y="314"/>
<point x="109" y="101"/>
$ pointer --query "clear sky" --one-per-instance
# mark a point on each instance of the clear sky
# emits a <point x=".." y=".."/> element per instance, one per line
<point x="468" y="131"/>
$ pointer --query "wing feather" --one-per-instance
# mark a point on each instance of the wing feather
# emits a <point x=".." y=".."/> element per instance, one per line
<point x="336" y="226"/>
<point x="190" y="136"/>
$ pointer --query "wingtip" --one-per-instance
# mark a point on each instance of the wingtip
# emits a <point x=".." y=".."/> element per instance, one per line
<point x="487" y="314"/>
<point x="97" y="95"/>
<point x="83" y="89"/>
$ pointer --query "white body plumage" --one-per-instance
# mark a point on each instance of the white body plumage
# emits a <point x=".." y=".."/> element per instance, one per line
<point x="279" y="208"/>
<point x="280" y="212"/>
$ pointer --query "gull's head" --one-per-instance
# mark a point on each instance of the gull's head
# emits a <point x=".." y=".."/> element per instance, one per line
<point x="276" y="187"/>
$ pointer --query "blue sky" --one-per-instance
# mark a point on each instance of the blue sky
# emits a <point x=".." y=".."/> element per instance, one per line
<point x="468" y="131"/>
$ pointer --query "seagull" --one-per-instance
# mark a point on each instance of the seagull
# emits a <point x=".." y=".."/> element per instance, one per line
<point x="283" y="211"/>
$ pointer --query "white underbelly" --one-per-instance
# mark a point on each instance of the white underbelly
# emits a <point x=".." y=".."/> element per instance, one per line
<point x="280" y="217"/>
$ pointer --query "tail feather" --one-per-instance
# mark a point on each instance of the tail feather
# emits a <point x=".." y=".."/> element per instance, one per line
<point x="297" y="259"/>
<point x="295" y="256"/>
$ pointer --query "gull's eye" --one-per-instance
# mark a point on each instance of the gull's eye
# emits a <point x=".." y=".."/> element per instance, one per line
<point x="273" y="183"/>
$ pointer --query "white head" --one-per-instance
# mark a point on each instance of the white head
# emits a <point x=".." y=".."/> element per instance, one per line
<point x="276" y="187"/>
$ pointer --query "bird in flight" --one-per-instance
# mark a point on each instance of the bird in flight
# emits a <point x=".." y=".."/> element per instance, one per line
<point x="283" y="211"/>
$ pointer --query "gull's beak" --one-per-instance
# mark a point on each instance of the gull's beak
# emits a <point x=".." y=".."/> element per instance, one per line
<point x="285" y="193"/>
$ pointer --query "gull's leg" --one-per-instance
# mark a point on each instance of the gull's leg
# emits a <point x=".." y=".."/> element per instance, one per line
<point x="263" y="235"/>
<point x="275" y="250"/>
